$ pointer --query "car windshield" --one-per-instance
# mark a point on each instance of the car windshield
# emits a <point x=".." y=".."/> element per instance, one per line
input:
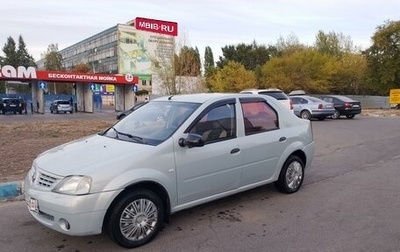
<point x="154" y="123"/>
<point x="63" y="102"/>
<point x="345" y="99"/>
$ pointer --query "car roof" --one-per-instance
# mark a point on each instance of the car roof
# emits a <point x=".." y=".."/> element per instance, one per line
<point x="196" y="98"/>
<point x="341" y="97"/>
<point x="308" y="97"/>
<point x="256" y="91"/>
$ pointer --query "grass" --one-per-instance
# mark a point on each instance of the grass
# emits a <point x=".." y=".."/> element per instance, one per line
<point x="21" y="142"/>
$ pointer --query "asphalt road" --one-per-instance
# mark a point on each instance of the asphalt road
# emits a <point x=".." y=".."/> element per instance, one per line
<point x="349" y="201"/>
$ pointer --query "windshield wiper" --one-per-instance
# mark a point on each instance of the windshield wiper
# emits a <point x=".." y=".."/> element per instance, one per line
<point x="135" y="138"/>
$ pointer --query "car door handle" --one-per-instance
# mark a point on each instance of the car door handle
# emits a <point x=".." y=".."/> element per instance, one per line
<point x="282" y="139"/>
<point x="235" y="150"/>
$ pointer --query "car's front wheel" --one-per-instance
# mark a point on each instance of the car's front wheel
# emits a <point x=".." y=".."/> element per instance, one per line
<point x="136" y="218"/>
<point x="291" y="176"/>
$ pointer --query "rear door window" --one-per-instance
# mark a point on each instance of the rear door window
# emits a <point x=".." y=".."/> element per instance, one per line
<point x="259" y="117"/>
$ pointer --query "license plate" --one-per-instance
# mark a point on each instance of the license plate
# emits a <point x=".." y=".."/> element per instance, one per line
<point x="33" y="205"/>
<point x="356" y="106"/>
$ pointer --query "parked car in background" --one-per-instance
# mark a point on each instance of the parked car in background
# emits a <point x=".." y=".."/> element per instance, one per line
<point x="344" y="106"/>
<point x="273" y="92"/>
<point x="137" y="105"/>
<point x="63" y="106"/>
<point x="308" y="107"/>
<point x="11" y="105"/>
<point x="173" y="153"/>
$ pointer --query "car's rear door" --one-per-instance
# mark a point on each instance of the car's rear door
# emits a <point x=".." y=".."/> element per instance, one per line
<point x="262" y="141"/>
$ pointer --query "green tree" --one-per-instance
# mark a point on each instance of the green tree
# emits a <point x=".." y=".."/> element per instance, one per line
<point x="233" y="77"/>
<point x="306" y="69"/>
<point x="383" y="59"/>
<point x="187" y="62"/>
<point x="349" y="76"/>
<point x="10" y="52"/>
<point x="53" y="62"/>
<point x="251" y="56"/>
<point x="289" y="45"/>
<point x="209" y="63"/>
<point x="16" y="57"/>
<point x="53" y="58"/>
<point x="24" y="58"/>
<point x="335" y="44"/>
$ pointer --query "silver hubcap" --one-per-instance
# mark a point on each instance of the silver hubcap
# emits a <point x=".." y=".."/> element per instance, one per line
<point x="304" y="115"/>
<point x="138" y="219"/>
<point x="335" y="115"/>
<point x="294" y="175"/>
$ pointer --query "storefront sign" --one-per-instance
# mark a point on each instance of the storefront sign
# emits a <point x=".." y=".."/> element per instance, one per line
<point x="30" y="73"/>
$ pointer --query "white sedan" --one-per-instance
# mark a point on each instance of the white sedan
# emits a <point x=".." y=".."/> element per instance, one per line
<point x="174" y="153"/>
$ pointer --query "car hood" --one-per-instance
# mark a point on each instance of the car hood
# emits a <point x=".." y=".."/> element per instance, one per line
<point x="83" y="156"/>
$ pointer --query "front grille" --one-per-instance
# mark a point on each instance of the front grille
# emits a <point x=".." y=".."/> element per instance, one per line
<point x="46" y="180"/>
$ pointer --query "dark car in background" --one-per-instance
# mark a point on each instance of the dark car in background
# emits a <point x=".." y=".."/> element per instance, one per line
<point x="344" y="106"/>
<point x="12" y="105"/>
<point x="64" y="106"/>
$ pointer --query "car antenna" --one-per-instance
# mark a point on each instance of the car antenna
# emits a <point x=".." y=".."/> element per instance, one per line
<point x="169" y="98"/>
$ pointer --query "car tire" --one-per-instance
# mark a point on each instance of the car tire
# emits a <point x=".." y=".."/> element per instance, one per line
<point x="136" y="218"/>
<point x="350" y="116"/>
<point x="336" y="114"/>
<point x="305" y="114"/>
<point x="291" y="176"/>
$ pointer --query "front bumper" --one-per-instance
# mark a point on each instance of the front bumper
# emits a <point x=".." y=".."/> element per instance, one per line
<point x="68" y="214"/>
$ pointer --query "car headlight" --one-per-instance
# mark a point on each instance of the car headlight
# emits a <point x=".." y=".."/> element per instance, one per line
<point x="74" y="185"/>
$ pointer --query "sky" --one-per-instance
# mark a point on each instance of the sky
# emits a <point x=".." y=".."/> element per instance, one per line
<point x="214" y="23"/>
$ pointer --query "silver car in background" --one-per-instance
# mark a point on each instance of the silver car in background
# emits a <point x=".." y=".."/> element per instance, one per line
<point x="308" y="107"/>
<point x="174" y="153"/>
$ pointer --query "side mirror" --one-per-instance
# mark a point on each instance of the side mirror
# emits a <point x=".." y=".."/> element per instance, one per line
<point x="193" y="140"/>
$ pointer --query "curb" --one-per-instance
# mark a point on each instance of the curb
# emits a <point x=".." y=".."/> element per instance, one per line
<point x="11" y="190"/>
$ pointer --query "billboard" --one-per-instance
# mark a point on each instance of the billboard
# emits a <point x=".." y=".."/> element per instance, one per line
<point x="140" y="50"/>
<point x="156" y="26"/>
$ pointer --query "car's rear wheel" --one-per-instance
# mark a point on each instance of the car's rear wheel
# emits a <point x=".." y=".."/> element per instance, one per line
<point x="336" y="115"/>
<point x="136" y="218"/>
<point x="350" y="116"/>
<point x="305" y="114"/>
<point x="291" y="176"/>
